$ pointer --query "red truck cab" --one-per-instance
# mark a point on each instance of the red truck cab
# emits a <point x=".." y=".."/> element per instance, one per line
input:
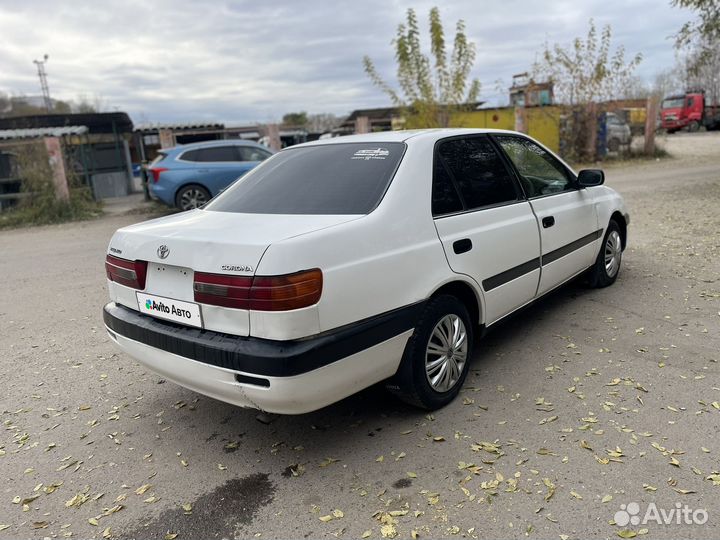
<point x="685" y="110"/>
<point x="689" y="110"/>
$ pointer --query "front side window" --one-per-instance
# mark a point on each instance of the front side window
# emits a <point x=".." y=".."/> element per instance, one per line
<point x="540" y="173"/>
<point x="342" y="178"/>
<point x="476" y="171"/>
<point x="252" y="153"/>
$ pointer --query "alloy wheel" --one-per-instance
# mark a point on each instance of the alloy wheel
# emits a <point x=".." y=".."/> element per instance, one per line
<point x="192" y="198"/>
<point x="446" y="353"/>
<point x="613" y="253"/>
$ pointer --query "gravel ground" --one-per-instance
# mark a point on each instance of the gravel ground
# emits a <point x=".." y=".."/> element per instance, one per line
<point x="588" y="400"/>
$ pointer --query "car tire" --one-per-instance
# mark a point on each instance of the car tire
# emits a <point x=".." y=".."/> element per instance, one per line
<point x="191" y="196"/>
<point x="607" y="265"/>
<point x="693" y="126"/>
<point x="614" y="145"/>
<point x="420" y="380"/>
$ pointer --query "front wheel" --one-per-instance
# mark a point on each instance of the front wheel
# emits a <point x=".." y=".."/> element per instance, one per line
<point x="607" y="265"/>
<point x="190" y="197"/>
<point x="436" y="358"/>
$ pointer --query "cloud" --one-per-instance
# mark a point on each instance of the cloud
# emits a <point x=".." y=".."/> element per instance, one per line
<point x="245" y="61"/>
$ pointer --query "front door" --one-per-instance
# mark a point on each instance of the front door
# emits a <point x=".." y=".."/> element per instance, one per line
<point x="570" y="235"/>
<point x="486" y="226"/>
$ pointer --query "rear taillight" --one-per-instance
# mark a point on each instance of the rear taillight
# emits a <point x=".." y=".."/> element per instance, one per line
<point x="222" y="290"/>
<point x="156" y="172"/>
<point x="262" y="293"/>
<point x="128" y="273"/>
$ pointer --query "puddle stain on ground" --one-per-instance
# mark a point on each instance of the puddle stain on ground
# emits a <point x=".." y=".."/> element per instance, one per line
<point x="214" y="515"/>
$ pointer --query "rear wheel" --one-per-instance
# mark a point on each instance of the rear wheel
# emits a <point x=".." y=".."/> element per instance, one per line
<point x="192" y="196"/>
<point x="607" y="265"/>
<point x="436" y="358"/>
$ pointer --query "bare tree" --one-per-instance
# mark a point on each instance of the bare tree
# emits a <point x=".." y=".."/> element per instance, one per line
<point x="667" y="82"/>
<point x="585" y="75"/>
<point x="86" y="104"/>
<point x="700" y="67"/>
<point x="587" y="71"/>
<point x="323" y="122"/>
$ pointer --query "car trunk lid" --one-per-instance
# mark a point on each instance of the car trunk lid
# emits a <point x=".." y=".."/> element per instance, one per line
<point x="177" y="246"/>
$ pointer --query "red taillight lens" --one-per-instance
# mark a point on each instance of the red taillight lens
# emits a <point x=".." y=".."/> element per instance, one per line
<point x="283" y="293"/>
<point x="156" y="172"/>
<point x="262" y="293"/>
<point x="222" y="290"/>
<point x="128" y="273"/>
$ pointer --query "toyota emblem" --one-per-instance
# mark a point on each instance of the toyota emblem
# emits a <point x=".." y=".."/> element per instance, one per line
<point x="163" y="252"/>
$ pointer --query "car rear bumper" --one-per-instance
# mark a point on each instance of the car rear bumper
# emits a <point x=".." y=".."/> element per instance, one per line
<point x="161" y="193"/>
<point x="286" y="377"/>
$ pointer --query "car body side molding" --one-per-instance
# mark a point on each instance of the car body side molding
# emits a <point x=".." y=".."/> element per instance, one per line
<point x="572" y="246"/>
<point x="525" y="268"/>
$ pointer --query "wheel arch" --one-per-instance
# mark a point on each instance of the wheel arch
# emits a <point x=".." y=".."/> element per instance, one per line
<point x="188" y="183"/>
<point x="618" y="218"/>
<point x="467" y="293"/>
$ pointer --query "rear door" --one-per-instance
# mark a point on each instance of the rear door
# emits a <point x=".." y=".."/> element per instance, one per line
<point x="487" y="228"/>
<point x="569" y="230"/>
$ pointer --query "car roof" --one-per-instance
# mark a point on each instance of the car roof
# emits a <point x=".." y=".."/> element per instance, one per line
<point x="405" y="136"/>
<point x="219" y="142"/>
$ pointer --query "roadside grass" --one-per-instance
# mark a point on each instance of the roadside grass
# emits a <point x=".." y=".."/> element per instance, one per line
<point x="45" y="209"/>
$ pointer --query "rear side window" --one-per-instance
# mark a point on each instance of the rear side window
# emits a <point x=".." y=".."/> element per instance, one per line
<point x="212" y="154"/>
<point x="477" y="170"/>
<point x="345" y="178"/>
<point x="445" y="198"/>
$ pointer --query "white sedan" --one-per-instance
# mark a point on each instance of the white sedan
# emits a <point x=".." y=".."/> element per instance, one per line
<point x="341" y="263"/>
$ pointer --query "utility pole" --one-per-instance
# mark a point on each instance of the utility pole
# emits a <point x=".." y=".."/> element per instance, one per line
<point x="43" y="82"/>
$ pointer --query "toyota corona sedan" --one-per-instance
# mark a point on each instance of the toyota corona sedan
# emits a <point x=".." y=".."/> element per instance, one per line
<point x="341" y="263"/>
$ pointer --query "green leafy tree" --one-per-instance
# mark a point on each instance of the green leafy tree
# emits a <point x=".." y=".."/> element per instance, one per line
<point x="702" y="34"/>
<point x="295" y="118"/>
<point x="431" y="87"/>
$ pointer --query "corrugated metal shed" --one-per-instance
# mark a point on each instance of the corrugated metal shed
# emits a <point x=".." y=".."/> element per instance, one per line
<point x="179" y="126"/>
<point x="32" y="133"/>
<point x="112" y="122"/>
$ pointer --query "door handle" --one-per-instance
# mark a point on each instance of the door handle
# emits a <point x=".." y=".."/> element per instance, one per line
<point x="548" y="221"/>
<point x="461" y="246"/>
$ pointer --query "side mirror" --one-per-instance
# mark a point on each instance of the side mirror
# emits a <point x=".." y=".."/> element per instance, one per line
<point x="591" y="177"/>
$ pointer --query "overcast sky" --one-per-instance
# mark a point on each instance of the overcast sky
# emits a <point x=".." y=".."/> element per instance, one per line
<point x="249" y="61"/>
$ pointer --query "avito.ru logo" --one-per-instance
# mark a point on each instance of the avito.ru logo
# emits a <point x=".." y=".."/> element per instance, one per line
<point x="630" y="514"/>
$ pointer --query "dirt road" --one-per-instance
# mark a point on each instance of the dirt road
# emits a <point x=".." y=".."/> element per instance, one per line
<point x="589" y="400"/>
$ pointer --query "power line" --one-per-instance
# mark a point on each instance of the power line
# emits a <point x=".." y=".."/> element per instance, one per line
<point x="43" y="82"/>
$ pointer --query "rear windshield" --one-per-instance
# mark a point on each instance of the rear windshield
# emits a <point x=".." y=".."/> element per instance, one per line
<point x="345" y="178"/>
